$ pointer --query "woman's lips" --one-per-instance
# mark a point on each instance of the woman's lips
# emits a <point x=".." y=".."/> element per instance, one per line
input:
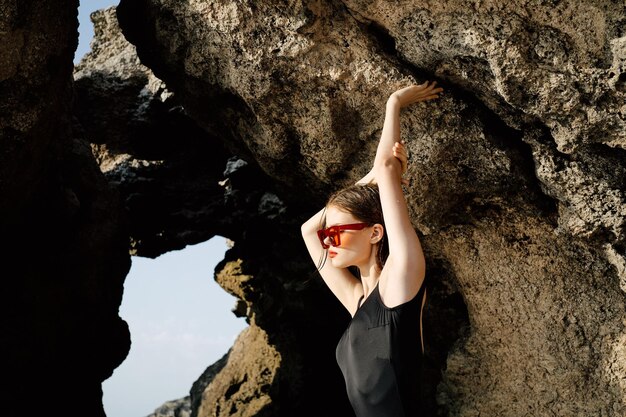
<point x="332" y="254"/>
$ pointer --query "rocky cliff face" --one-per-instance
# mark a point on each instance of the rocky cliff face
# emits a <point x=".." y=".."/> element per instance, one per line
<point x="238" y="118"/>
<point x="64" y="233"/>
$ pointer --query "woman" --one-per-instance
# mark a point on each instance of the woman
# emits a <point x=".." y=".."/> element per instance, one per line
<point x="366" y="228"/>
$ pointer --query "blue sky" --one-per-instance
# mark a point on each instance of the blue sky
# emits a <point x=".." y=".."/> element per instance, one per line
<point x="85" y="27"/>
<point x="180" y="319"/>
<point x="180" y="322"/>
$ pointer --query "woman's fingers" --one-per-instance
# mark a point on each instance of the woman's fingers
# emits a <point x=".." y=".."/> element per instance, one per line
<point x="431" y="89"/>
<point x="415" y="93"/>
<point x="430" y="97"/>
<point x="426" y="93"/>
<point x="399" y="151"/>
<point x="399" y="148"/>
<point x="427" y="86"/>
<point x="402" y="156"/>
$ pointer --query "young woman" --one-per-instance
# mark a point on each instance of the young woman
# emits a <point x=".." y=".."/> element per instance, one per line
<point x="366" y="226"/>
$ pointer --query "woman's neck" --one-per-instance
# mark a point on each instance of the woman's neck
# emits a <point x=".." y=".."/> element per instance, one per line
<point x="370" y="275"/>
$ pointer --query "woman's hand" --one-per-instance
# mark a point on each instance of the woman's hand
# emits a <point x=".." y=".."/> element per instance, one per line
<point x="414" y="93"/>
<point x="399" y="151"/>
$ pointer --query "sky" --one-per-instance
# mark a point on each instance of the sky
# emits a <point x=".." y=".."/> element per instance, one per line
<point x="180" y="322"/>
<point x="85" y="27"/>
<point x="180" y="319"/>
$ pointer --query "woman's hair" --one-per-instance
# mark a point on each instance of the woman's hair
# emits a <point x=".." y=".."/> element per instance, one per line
<point x="363" y="202"/>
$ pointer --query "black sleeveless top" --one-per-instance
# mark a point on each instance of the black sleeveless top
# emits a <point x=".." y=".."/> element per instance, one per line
<point x="380" y="356"/>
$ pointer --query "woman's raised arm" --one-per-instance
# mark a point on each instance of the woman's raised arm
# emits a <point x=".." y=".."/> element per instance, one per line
<point x="405" y="265"/>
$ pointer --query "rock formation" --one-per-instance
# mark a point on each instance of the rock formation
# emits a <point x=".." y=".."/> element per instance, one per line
<point x="238" y="118"/>
<point x="64" y="233"/>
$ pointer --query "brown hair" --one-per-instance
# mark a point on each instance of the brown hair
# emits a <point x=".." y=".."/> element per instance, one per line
<point x="363" y="202"/>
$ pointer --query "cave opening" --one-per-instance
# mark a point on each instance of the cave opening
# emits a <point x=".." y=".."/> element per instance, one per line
<point x="180" y="321"/>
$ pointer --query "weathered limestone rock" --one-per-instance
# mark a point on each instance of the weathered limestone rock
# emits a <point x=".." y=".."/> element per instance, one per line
<point x="166" y="167"/>
<point x="517" y="171"/>
<point x="62" y="227"/>
<point x="175" y="408"/>
<point x="547" y="319"/>
<point x="246" y="114"/>
<point x="559" y="62"/>
<point x="251" y="364"/>
<point x="556" y="64"/>
<point x="180" y="186"/>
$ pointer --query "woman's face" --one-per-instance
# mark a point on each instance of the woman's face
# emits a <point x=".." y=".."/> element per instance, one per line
<point x="355" y="247"/>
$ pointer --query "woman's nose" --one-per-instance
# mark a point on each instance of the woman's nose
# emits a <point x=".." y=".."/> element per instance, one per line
<point x="327" y="241"/>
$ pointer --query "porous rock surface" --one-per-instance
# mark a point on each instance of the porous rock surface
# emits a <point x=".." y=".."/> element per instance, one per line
<point x="63" y="232"/>
<point x="252" y="112"/>
<point x="517" y="171"/>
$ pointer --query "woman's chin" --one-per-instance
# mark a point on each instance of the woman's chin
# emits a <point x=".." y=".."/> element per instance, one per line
<point x="337" y="263"/>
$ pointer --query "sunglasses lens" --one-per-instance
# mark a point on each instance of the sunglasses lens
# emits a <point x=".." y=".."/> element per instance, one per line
<point x="321" y="234"/>
<point x="333" y="235"/>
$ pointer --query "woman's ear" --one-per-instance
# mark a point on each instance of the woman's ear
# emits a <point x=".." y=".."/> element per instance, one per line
<point x="378" y="231"/>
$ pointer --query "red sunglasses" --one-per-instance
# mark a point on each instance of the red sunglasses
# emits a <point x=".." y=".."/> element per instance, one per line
<point x="333" y="233"/>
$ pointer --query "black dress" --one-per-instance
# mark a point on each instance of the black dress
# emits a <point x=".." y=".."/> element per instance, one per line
<point x="380" y="356"/>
